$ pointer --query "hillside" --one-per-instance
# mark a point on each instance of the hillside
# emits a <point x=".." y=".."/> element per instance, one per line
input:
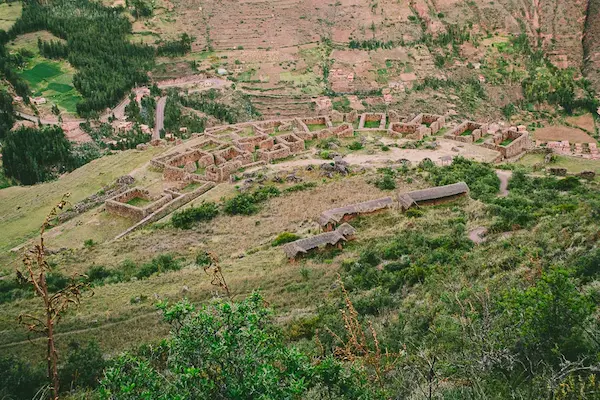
<point x="299" y="199"/>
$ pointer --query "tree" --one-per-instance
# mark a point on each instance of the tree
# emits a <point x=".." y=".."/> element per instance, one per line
<point x="7" y="113"/>
<point x="36" y="274"/>
<point x="230" y="351"/>
<point x="132" y="110"/>
<point x="32" y="155"/>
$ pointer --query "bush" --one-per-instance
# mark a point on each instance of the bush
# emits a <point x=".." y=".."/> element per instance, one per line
<point x="247" y="204"/>
<point x="285" y="237"/>
<point x="162" y="263"/>
<point x="203" y="259"/>
<point x="241" y="204"/>
<point x="356" y="145"/>
<point x="184" y="219"/>
<point x="386" y="182"/>
<point x="84" y="366"/>
<point x="20" y="380"/>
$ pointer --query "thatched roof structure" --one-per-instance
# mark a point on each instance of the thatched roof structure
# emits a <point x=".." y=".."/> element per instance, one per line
<point x="337" y="214"/>
<point x="406" y="200"/>
<point x="303" y="246"/>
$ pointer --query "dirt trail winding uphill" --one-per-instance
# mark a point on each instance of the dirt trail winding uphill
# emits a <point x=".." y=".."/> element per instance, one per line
<point x="504" y="178"/>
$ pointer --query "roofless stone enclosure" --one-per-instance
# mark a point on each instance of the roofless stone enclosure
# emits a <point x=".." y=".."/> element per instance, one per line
<point x="136" y="203"/>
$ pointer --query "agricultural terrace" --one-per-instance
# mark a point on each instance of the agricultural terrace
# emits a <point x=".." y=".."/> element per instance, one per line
<point x="51" y="79"/>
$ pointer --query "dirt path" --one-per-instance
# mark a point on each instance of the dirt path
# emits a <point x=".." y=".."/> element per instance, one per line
<point x="477" y="235"/>
<point x="160" y="117"/>
<point x="504" y="178"/>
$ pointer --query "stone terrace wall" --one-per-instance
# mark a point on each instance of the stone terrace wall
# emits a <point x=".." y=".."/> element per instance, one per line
<point x="168" y="208"/>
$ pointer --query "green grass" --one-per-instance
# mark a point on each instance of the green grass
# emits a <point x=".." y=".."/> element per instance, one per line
<point x="506" y="142"/>
<point x="372" y="124"/>
<point x="138" y="202"/>
<point x="316" y="127"/>
<point x="573" y="165"/>
<point x="41" y="72"/>
<point x="59" y="87"/>
<point x="9" y="13"/>
<point x="191" y="187"/>
<point x="468" y="132"/>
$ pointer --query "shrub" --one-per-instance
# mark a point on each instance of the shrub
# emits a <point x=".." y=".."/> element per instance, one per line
<point x="285" y="237"/>
<point x="386" y="182"/>
<point x="20" y="380"/>
<point x="356" y="145"/>
<point x="162" y="263"/>
<point x="84" y="366"/>
<point x="89" y="243"/>
<point x="241" y="204"/>
<point x="203" y="259"/>
<point x="205" y="212"/>
<point x="300" y="187"/>
<point x="247" y="204"/>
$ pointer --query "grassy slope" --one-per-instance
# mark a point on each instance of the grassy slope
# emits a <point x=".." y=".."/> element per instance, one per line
<point x="9" y="13"/>
<point x="22" y="209"/>
<point x="109" y="315"/>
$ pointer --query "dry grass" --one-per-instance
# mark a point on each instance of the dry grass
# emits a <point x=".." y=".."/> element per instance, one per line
<point x="242" y="243"/>
<point x="22" y="208"/>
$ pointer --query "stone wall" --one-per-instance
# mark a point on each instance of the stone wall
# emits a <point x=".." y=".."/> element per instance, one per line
<point x="220" y="173"/>
<point x="118" y="204"/>
<point x="249" y="144"/>
<point x="168" y="208"/>
<point x="232" y="153"/>
<point x="275" y="153"/>
<point x="372" y="117"/>
<point x="293" y="142"/>
<point x="343" y="131"/>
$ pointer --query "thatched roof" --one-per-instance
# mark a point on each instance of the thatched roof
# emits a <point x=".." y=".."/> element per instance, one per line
<point x="337" y="214"/>
<point x="406" y="200"/>
<point x="302" y="246"/>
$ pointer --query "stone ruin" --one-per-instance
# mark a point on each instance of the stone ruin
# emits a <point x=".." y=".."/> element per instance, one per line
<point x="222" y="151"/>
<point x="510" y="142"/>
<point x="120" y="204"/>
<point x="418" y="128"/>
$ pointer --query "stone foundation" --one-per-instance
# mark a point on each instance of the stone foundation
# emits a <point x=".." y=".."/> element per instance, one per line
<point x="275" y="153"/>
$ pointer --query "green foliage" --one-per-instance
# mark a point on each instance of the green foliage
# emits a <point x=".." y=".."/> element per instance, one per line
<point x="550" y="318"/>
<point x="175" y="48"/>
<point x="203" y="259"/>
<point x="355" y="145"/>
<point x="480" y="178"/>
<point x="249" y="203"/>
<point x="107" y="64"/>
<point x="387" y="181"/>
<point x="30" y="155"/>
<point x="231" y="351"/>
<point x="203" y="213"/>
<point x="284" y="237"/>
<point x="83" y="367"/>
<point x="20" y="380"/>
<point x="299" y="187"/>
<point x="162" y="263"/>
<point x="406" y="258"/>
<point x="7" y="113"/>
